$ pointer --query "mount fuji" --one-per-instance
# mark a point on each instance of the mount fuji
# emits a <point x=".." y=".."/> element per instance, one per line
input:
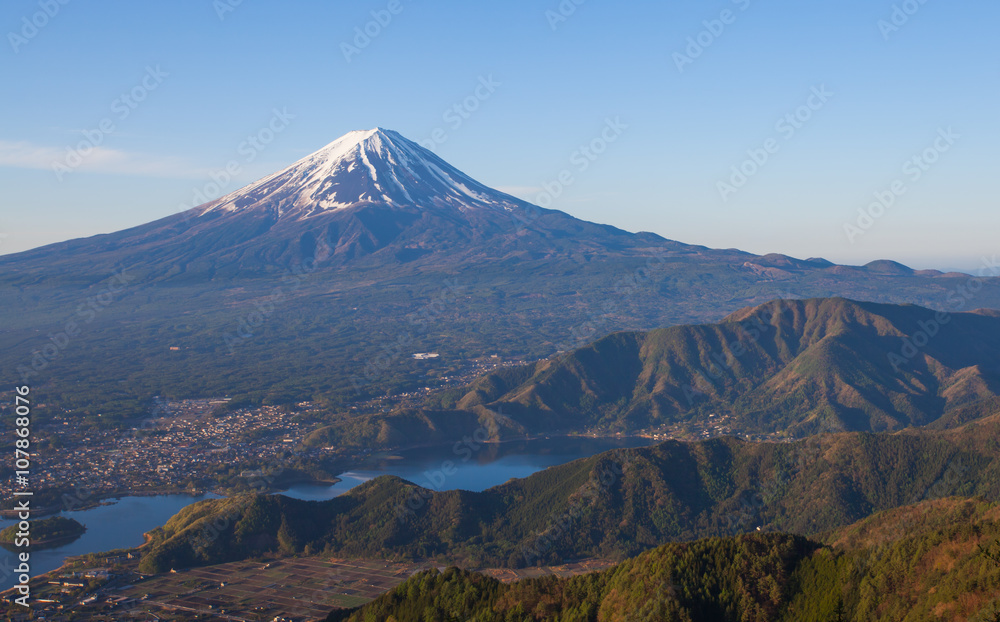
<point x="370" y="196"/>
<point x="328" y="274"/>
<point x="372" y="167"/>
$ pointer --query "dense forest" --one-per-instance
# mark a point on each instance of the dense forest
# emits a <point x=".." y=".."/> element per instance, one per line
<point x="615" y="504"/>
<point x="56" y="529"/>
<point x="921" y="562"/>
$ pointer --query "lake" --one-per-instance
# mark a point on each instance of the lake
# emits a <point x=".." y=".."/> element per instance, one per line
<point x="115" y="526"/>
<point x="468" y="466"/>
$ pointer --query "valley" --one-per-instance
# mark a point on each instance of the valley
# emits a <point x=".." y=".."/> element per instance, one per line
<point x="686" y="417"/>
<point x="568" y="311"/>
<point x="926" y="535"/>
<point x="615" y="504"/>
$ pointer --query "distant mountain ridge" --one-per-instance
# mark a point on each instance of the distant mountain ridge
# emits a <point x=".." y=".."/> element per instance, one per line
<point x="376" y="195"/>
<point x="789" y="366"/>
<point x="317" y="269"/>
<point x="615" y="504"/>
<point x="371" y="197"/>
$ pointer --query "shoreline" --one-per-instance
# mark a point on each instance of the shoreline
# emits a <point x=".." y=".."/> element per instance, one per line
<point x="110" y="497"/>
<point x="99" y="499"/>
<point x="515" y="439"/>
<point x="51" y="543"/>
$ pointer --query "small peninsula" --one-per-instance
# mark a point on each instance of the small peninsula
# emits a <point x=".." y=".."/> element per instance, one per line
<point x="46" y="532"/>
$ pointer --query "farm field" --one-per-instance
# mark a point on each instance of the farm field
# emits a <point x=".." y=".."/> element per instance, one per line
<point x="298" y="589"/>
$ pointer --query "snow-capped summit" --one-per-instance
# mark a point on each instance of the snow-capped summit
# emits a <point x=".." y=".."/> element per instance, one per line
<point x="368" y="198"/>
<point x="365" y="167"/>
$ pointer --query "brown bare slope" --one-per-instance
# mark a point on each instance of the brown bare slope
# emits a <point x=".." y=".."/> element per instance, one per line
<point x="795" y="366"/>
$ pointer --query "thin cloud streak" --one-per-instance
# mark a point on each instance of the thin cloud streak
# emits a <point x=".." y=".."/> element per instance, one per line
<point x="23" y="154"/>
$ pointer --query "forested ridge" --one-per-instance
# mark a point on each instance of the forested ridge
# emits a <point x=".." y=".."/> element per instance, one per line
<point x="792" y="367"/>
<point x="616" y="504"/>
<point x="917" y="563"/>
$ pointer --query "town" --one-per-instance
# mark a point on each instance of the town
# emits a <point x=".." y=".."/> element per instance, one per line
<point x="191" y="447"/>
<point x="198" y="445"/>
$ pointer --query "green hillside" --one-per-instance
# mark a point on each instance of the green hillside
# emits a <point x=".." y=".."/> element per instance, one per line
<point x="796" y="367"/>
<point x="52" y="531"/>
<point x="916" y="563"/>
<point x="615" y="504"/>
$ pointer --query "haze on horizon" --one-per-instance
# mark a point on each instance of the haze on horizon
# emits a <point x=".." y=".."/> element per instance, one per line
<point x="886" y="104"/>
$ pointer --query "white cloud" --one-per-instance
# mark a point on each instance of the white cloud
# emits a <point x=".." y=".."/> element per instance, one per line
<point x="23" y="154"/>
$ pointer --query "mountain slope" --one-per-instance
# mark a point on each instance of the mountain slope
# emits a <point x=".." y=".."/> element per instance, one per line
<point x="614" y="504"/>
<point x="370" y="197"/>
<point x="788" y="366"/>
<point x="366" y="167"/>
<point x="741" y="579"/>
<point x="321" y="280"/>
<point x="923" y="565"/>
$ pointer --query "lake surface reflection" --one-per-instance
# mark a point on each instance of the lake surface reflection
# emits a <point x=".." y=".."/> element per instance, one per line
<point x="468" y="465"/>
<point x="115" y="526"/>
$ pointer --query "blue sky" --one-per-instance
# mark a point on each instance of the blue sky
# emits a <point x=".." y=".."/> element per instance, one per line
<point x="702" y="88"/>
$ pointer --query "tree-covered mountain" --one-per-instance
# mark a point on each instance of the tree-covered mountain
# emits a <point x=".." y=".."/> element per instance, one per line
<point x="615" y="504"/>
<point x="321" y="280"/>
<point x="787" y="366"/>
<point x="916" y="563"/>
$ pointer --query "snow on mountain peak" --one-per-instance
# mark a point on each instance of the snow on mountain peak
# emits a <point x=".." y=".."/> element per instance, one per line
<point x="363" y="167"/>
